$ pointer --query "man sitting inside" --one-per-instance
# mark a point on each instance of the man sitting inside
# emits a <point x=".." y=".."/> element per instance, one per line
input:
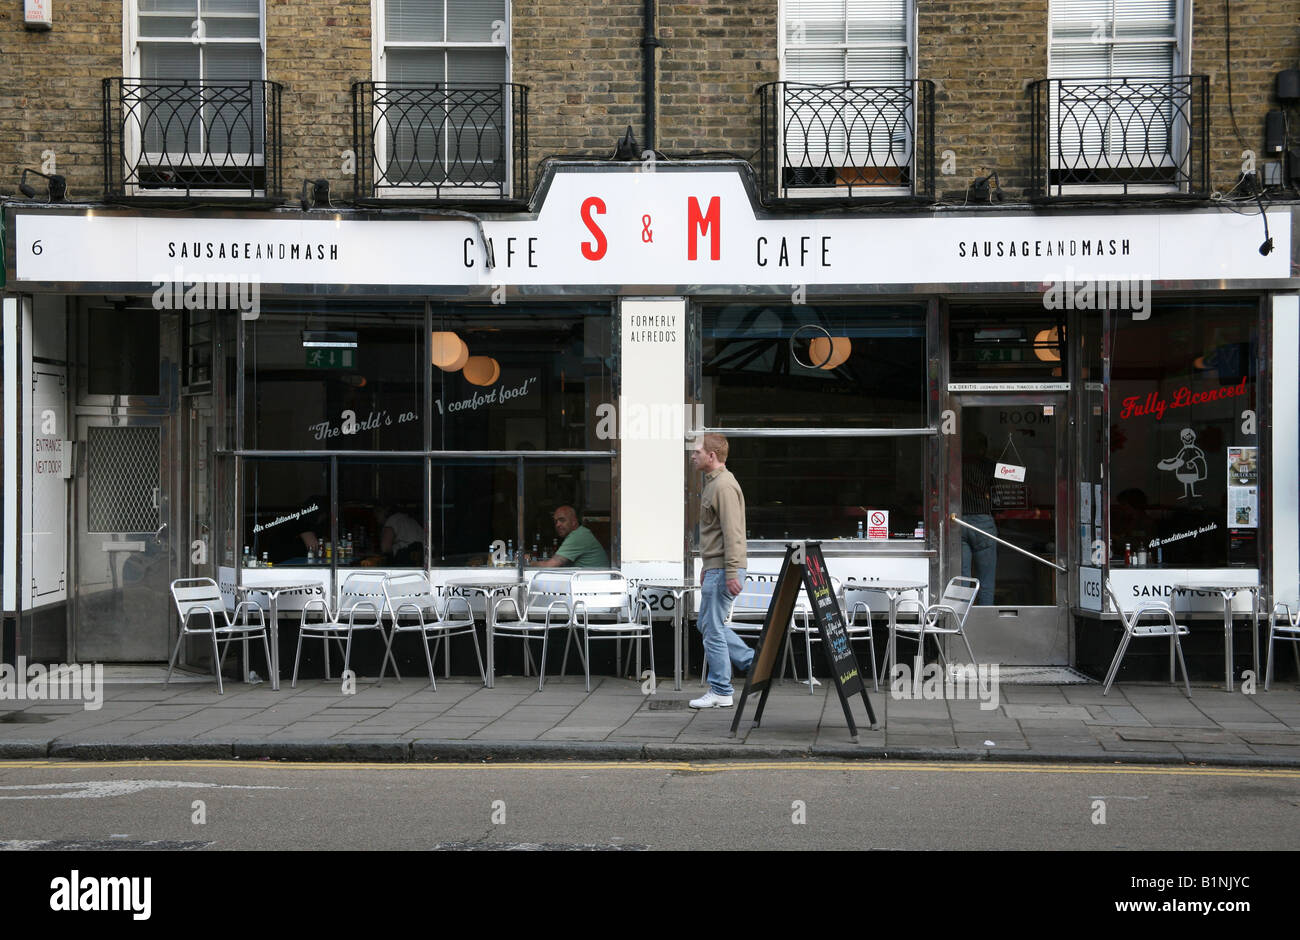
<point x="579" y="548"/>
<point x="401" y="538"/>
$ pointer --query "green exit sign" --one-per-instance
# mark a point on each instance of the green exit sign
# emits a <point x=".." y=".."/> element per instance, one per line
<point x="331" y="358"/>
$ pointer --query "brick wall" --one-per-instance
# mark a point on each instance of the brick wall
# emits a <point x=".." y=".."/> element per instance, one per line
<point x="1265" y="40"/>
<point x="317" y="50"/>
<point x="715" y="55"/>
<point x="981" y="57"/>
<point x="50" y="97"/>
<point x="582" y="62"/>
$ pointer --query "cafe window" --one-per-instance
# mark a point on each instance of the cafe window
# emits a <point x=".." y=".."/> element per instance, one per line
<point x="476" y="503"/>
<point x="806" y="366"/>
<point x="381" y="516"/>
<point x="822" y="487"/>
<point x="781" y="380"/>
<point x="335" y="380"/>
<point x="520" y="378"/>
<point x="510" y="387"/>
<point x="1001" y="343"/>
<point x="286" y="510"/>
<point x="1184" y="451"/>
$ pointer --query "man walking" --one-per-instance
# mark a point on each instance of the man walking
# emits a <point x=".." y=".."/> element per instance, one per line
<point x="722" y="549"/>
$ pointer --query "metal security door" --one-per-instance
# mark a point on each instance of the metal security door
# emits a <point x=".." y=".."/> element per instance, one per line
<point x="123" y="558"/>
<point x="1021" y="616"/>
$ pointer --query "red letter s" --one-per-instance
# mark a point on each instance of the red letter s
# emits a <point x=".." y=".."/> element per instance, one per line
<point x="597" y="251"/>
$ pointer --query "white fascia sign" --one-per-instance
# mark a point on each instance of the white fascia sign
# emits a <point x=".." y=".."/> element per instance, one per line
<point x="621" y="228"/>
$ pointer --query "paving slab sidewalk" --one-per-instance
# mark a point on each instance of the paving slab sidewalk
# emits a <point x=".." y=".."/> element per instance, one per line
<point x="462" y="720"/>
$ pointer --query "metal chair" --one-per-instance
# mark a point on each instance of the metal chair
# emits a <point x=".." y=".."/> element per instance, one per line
<point x="1133" y="628"/>
<point x="605" y="594"/>
<point x="201" y="595"/>
<point x="359" y="594"/>
<point x="947" y="617"/>
<point x="412" y="607"/>
<point x="1283" y="625"/>
<point x="546" y="609"/>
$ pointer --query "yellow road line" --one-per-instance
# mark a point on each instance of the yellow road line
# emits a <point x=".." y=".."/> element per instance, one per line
<point x="864" y="766"/>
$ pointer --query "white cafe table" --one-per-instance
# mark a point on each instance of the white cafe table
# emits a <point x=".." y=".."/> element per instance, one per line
<point x="1228" y="592"/>
<point x="491" y="586"/>
<point x="678" y="589"/>
<point x="273" y="590"/>
<point x="893" y="590"/>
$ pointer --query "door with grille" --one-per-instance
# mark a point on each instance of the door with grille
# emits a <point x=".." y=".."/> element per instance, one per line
<point x="123" y="561"/>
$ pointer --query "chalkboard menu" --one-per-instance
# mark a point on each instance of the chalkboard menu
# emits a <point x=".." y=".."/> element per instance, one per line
<point x="804" y="566"/>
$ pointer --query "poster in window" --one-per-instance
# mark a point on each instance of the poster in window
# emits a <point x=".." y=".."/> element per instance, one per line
<point x="1243" y="487"/>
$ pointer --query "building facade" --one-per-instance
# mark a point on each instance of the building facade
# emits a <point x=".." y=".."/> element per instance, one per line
<point x="280" y="275"/>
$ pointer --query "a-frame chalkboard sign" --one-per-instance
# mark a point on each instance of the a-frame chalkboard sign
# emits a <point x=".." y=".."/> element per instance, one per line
<point x="804" y="567"/>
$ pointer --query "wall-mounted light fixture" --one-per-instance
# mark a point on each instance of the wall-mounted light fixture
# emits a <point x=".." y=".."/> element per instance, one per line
<point x="56" y="185"/>
<point x="314" y="193"/>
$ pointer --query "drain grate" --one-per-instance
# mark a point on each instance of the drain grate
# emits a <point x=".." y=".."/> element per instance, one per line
<point x="24" y="718"/>
<point x="1042" y="675"/>
<point x="666" y="705"/>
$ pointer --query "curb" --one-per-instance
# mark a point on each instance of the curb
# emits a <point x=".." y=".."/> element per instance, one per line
<point x="431" y="749"/>
<point x="434" y="750"/>
<point x="163" y="749"/>
<point x="361" y="750"/>
<point x="23" y="750"/>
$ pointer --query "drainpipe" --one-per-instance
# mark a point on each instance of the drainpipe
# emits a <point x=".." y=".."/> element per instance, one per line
<point x="649" y="42"/>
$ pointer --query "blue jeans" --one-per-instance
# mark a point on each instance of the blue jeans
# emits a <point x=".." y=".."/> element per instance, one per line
<point x="721" y="645"/>
<point x="979" y="556"/>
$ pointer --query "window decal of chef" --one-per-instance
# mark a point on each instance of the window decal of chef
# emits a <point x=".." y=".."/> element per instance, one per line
<point x="1189" y="466"/>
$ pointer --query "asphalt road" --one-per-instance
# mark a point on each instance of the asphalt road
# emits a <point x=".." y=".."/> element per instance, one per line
<point x="654" y="806"/>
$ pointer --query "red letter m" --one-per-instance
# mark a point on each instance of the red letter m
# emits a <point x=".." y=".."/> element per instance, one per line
<point x="709" y="224"/>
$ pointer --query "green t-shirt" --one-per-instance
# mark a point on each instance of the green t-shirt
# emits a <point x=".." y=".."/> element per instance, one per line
<point x="582" y="550"/>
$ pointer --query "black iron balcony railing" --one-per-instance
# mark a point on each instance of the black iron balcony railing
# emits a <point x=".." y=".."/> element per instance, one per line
<point x="181" y="136"/>
<point x="853" y="140"/>
<point x="1120" y="136"/>
<point x="444" y="142"/>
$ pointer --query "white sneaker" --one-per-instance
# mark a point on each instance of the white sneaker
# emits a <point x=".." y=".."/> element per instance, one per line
<point x="711" y="699"/>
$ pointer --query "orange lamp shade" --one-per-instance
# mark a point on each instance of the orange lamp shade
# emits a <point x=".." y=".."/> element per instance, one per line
<point x="828" y="353"/>
<point x="449" y="352"/>
<point x="482" y="370"/>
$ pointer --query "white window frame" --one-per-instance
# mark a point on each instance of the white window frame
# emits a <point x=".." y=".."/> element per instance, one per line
<point x="1180" y="65"/>
<point x="379" y="69"/>
<point x="784" y="47"/>
<point x="131" y="67"/>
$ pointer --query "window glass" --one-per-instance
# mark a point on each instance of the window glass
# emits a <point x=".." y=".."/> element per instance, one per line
<point x="382" y="513"/>
<point x="123" y="347"/>
<point x="992" y="342"/>
<point x="286" y="509"/>
<point x="520" y="378"/>
<point x="1184" y="481"/>
<point x="771" y="366"/>
<point x="822" y="488"/>
<point x="476" y="502"/>
<point x="337" y="380"/>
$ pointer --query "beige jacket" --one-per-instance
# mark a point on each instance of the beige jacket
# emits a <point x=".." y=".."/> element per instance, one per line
<point x="722" y="523"/>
